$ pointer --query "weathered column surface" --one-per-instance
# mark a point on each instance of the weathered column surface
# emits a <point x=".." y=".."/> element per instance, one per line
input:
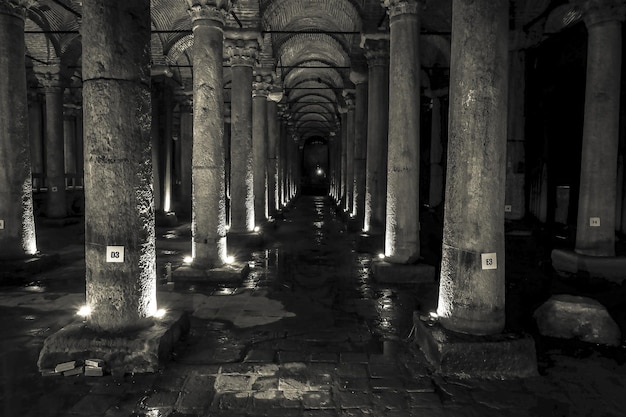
<point x="282" y="154"/>
<point x="209" y="200"/>
<point x="35" y="129"/>
<point x="515" y="202"/>
<point x="260" y="90"/>
<point x="242" y="49"/>
<point x="273" y="133"/>
<point x="377" y="53"/>
<point x="349" y="192"/>
<point x="17" y="223"/>
<point x="186" y="144"/>
<point x="119" y="235"/>
<point x="343" y="174"/>
<point x="50" y="77"/>
<point x="471" y="291"/>
<point x="402" y="221"/>
<point x="595" y="232"/>
<point x="360" y="145"/>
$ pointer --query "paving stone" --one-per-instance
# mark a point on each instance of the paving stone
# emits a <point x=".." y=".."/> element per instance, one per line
<point x="197" y="394"/>
<point x="237" y="368"/>
<point x="232" y="383"/>
<point x="319" y="381"/>
<point x="265" y="383"/>
<point x="383" y="370"/>
<point x="352" y="399"/>
<point x="353" y="357"/>
<point x="330" y="357"/>
<point x="317" y="400"/>
<point x="419" y="384"/>
<point x="352" y="370"/>
<point x="291" y="399"/>
<point x="266" y="398"/>
<point x="260" y="355"/>
<point x="293" y="383"/>
<point x="231" y="401"/>
<point x="93" y="405"/>
<point x="353" y="384"/>
<point x="424" y="400"/>
<point x="391" y="400"/>
<point x="390" y="383"/>
<point x="286" y="356"/>
<point x="160" y="399"/>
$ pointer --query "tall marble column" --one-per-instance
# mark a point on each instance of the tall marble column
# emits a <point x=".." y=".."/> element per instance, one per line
<point x="377" y="54"/>
<point x="17" y="223"/>
<point x="359" y="78"/>
<point x="35" y="130"/>
<point x="208" y="226"/>
<point x="186" y="144"/>
<point x="273" y="133"/>
<point x="402" y="243"/>
<point x="595" y="232"/>
<point x="227" y="164"/>
<point x="471" y="289"/>
<point x="120" y="254"/>
<point x="343" y="175"/>
<point x="260" y="90"/>
<point x="50" y="77"/>
<point x="350" y="102"/>
<point x="437" y="174"/>
<point x="242" y="48"/>
<point x="69" y="139"/>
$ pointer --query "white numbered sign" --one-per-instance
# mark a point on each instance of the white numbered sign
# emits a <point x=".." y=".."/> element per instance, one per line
<point x="508" y="208"/>
<point x="115" y="253"/>
<point x="1" y="224"/>
<point x="594" y="221"/>
<point x="489" y="260"/>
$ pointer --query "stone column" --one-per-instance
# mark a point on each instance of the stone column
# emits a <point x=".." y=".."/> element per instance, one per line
<point x="471" y="291"/>
<point x="17" y="223"/>
<point x="350" y="102"/>
<point x="515" y="202"/>
<point x="242" y="49"/>
<point x="208" y="225"/>
<point x="50" y="77"/>
<point x="227" y="164"/>
<point x="435" y="191"/>
<point x="69" y="140"/>
<point x="168" y="147"/>
<point x="260" y="90"/>
<point x="156" y="142"/>
<point x="120" y="254"/>
<point x="35" y="129"/>
<point x="282" y="164"/>
<point x="186" y="144"/>
<point x="273" y="133"/>
<point x="595" y="233"/>
<point x="377" y="54"/>
<point x="402" y="223"/>
<point x="343" y="189"/>
<point x="360" y="145"/>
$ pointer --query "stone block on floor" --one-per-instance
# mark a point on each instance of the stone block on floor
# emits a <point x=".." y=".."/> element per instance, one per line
<point x="498" y="356"/>
<point x="390" y="273"/>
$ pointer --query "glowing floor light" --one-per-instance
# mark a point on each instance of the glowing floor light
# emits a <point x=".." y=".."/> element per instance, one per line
<point x="160" y="313"/>
<point x="229" y="259"/>
<point x="187" y="259"/>
<point x="84" y="311"/>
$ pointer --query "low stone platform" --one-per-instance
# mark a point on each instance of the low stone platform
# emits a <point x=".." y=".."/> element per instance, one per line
<point x="568" y="262"/>
<point x="500" y="356"/>
<point x="390" y="273"/>
<point x="133" y="351"/>
<point x="227" y="274"/>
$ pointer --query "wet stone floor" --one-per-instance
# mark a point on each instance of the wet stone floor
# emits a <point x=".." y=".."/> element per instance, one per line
<point x="307" y="333"/>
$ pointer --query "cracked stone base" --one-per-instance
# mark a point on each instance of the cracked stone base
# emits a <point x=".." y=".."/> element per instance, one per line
<point x="567" y="262"/>
<point x="500" y="356"/>
<point x="131" y="351"/>
<point x="232" y="273"/>
<point x="389" y="273"/>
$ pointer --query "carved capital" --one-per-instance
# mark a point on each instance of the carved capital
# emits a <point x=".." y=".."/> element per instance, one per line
<point x="261" y="84"/>
<point x="50" y="76"/>
<point x="358" y="77"/>
<point x="598" y="11"/>
<point x="16" y="8"/>
<point x="376" y="51"/>
<point x="399" y="7"/>
<point x="349" y="99"/>
<point x="205" y="11"/>
<point x="242" y="48"/>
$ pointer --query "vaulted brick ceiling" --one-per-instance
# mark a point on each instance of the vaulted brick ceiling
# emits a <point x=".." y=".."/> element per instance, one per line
<point x="309" y="44"/>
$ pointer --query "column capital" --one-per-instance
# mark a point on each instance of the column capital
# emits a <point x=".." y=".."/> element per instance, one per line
<point x="398" y="7"/>
<point x="202" y="12"/>
<point x="16" y="7"/>
<point x="349" y="98"/>
<point x="598" y="11"/>
<point x="376" y="50"/>
<point x="261" y="84"/>
<point x="49" y="76"/>
<point x="242" y="47"/>
<point x="358" y="76"/>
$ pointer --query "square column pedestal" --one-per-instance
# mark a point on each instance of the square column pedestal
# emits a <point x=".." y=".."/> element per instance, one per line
<point x="139" y="350"/>
<point x="500" y="356"/>
<point x="390" y="273"/>
<point x="568" y="262"/>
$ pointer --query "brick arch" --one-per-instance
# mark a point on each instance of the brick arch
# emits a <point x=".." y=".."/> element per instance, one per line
<point x="328" y="76"/>
<point x="312" y="46"/>
<point x="341" y="14"/>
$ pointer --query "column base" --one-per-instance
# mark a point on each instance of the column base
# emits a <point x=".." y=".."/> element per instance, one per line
<point x="14" y="270"/>
<point x="501" y="356"/>
<point x="134" y="351"/>
<point x="568" y="262"/>
<point x="250" y="240"/>
<point x="390" y="273"/>
<point x="226" y="274"/>
<point x="373" y="243"/>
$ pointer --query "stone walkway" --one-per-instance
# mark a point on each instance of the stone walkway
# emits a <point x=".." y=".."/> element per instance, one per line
<point x="308" y="333"/>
